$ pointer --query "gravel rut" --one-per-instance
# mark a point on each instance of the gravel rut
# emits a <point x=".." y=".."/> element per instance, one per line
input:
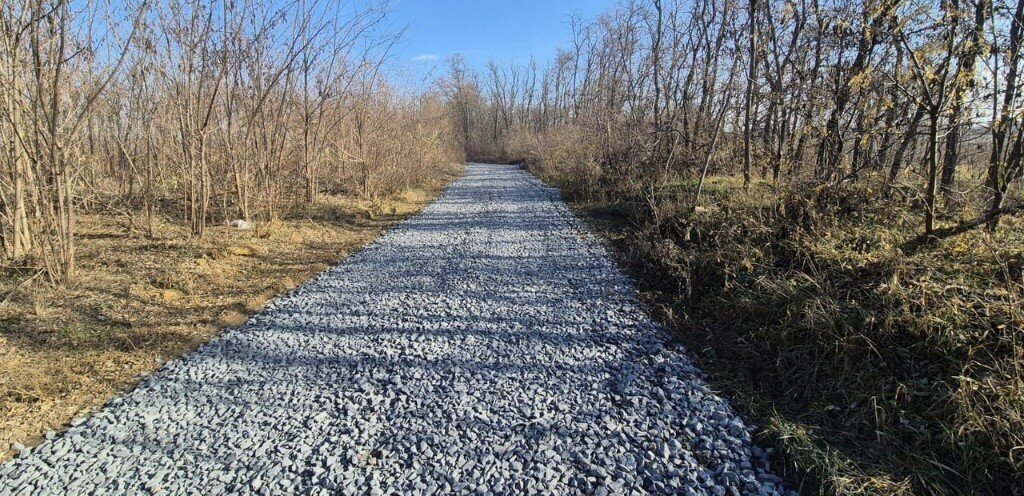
<point x="485" y="346"/>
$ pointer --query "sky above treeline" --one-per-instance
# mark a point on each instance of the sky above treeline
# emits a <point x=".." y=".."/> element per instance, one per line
<point x="482" y="30"/>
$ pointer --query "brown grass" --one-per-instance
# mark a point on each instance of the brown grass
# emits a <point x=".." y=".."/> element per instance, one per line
<point x="139" y="302"/>
<point x="873" y="371"/>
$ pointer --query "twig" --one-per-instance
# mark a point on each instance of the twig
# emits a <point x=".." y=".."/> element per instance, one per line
<point x="21" y="285"/>
<point x="947" y="232"/>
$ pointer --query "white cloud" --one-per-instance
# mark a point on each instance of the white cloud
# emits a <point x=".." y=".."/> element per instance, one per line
<point x="426" y="57"/>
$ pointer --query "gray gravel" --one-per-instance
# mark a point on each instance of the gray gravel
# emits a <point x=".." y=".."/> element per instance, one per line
<point x="486" y="346"/>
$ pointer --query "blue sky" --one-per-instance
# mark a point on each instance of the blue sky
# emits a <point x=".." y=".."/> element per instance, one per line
<point x="485" y="29"/>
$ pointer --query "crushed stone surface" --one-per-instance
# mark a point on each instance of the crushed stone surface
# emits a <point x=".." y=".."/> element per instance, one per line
<point x="486" y="346"/>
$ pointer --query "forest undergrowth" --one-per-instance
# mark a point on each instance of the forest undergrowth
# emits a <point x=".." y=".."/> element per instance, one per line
<point x="873" y="370"/>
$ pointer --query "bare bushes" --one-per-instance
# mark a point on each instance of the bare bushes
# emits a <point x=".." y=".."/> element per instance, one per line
<point x="198" y="112"/>
<point x="51" y="83"/>
<point x="392" y="143"/>
<point x="564" y="155"/>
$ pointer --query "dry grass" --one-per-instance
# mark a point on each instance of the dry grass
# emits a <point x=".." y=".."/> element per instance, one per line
<point x="140" y="302"/>
<point x="873" y="371"/>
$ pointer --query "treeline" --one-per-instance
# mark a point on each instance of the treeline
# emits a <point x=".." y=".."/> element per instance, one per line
<point x="923" y="95"/>
<point x="825" y="196"/>
<point x="197" y="111"/>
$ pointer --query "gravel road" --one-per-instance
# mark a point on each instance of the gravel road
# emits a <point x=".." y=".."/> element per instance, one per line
<point x="486" y="346"/>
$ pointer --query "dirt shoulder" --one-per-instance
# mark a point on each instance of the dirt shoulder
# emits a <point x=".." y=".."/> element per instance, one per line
<point x="139" y="302"/>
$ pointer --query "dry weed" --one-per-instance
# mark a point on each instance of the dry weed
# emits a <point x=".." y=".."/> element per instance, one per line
<point x="140" y="302"/>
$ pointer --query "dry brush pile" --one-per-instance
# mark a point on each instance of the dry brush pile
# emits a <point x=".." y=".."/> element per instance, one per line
<point x="825" y="197"/>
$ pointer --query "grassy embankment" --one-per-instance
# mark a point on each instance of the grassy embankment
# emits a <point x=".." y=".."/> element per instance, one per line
<point x="874" y="371"/>
<point x="139" y="302"/>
